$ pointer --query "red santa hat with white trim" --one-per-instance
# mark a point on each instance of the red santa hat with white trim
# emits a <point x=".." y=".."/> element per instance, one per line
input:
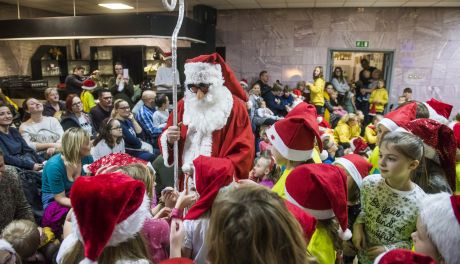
<point x="456" y="129"/>
<point x="356" y="166"/>
<point x="212" y="69"/>
<point x="295" y="136"/>
<point x="109" y="209"/>
<point x="403" y="256"/>
<point x="321" y="190"/>
<point x="439" y="144"/>
<point x="400" y="116"/>
<point x="440" y="214"/>
<point x="211" y="174"/>
<point x="358" y="146"/>
<point x="438" y="110"/>
<point x="306" y="221"/>
<point x="89" y="85"/>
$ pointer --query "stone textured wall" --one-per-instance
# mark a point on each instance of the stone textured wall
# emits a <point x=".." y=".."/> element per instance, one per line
<point x="426" y="42"/>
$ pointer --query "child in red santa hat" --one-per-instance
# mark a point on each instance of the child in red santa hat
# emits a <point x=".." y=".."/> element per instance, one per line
<point x="438" y="171"/>
<point x="109" y="211"/>
<point x="390" y="200"/>
<point x="403" y="256"/>
<point x="293" y="141"/>
<point x="438" y="228"/>
<point x="321" y="190"/>
<point x="356" y="168"/>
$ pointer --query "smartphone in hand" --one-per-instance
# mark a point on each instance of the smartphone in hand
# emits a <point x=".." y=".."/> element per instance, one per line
<point x="125" y="74"/>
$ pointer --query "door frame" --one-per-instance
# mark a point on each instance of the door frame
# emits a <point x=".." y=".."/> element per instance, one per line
<point x="388" y="63"/>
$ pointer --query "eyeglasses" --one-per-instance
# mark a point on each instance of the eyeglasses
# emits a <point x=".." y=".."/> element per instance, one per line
<point x="124" y="108"/>
<point x="77" y="104"/>
<point x="107" y="98"/>
<point x="204" y="87"/>
<point x="116" y="128"/>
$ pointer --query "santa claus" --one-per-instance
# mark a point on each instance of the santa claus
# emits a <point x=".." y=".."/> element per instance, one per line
<point x="212" y="117"/>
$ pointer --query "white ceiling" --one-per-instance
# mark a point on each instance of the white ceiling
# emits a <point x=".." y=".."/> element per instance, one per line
<point x="91" y="7"/>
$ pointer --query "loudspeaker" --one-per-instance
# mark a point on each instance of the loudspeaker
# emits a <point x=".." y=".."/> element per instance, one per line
<point x="205" y="14"/>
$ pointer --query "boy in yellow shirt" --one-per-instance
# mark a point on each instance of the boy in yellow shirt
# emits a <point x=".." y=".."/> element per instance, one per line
<point x="378" y="99"/>
<point x="86" y="96"/>
<point x="370" y="132"/>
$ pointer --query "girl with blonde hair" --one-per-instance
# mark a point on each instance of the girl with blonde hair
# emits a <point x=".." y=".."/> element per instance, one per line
<point x="347" y="129"/>
<point x="252" y="225"/>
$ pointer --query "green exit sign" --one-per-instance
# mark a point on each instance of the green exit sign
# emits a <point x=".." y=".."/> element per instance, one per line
<point x="362" y="44"/>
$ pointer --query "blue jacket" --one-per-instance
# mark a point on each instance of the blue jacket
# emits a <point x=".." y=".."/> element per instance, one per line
<point x="16" y="152"/>
<point x="129" y="135"/>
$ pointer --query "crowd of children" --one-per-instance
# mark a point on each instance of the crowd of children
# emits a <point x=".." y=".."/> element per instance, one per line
<point x="354" y="191"/>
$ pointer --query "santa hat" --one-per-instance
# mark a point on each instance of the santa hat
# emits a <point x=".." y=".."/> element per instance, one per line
<point x="358" y="146"/>
<point x="244" y="84"/>
<point x="399" y="117"/>
<point x="167" y="55"/>
<point x="295" y="136"/>
<point x="115" y="159"/>
<point x="440" y="214"/>
<point x="6" y="246"/>
<point x="108" y="209"/>
<point x="439" y="144"/>
<point x="89" y="85"/>
<point x="456" y="129"/>
<point x="321" y="190"/>
<point x="211" y="174"/>
<point x="177" y="261"/>
<point x="356" y="166"/>
<point x="438" y="110"/>
<point x="403" y="256"/>
<point x="306" y="221"/>
<point x="212" y="69"/>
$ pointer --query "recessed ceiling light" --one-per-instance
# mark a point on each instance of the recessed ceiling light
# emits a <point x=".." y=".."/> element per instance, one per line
<point x="117" y="6"/>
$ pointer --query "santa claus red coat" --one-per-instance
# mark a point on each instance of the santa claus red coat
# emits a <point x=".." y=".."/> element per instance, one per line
<point x="233" y="139"/>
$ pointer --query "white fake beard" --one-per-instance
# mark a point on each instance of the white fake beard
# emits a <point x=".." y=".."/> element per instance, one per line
<point x="211" y="112"/>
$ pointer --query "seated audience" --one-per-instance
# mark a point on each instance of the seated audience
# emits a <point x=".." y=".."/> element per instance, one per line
<point x="53" y="106"/>
<point x="33" y="244"/>
<point x="63" y="169"/>
<point x="347" y="128"/>
<point x="263" y="112"/>
<point x="75" y="117"/>
<point x="102" y="110"/>
<point x="109" y="140"/>
<point x="16" y="151"/>
<point x="13" y="203"/>
<point x="273" y="100"/>
<point x="42" y="133"/>
<point x="145" y="117"/>
<point x="131" y="130"/>
<point x="161" y="115"/>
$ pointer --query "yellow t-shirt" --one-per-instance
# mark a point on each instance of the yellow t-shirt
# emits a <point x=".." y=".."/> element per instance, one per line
<point x="457" y="172"/>
<point x="281" y="183"/>
<point x="87" y="100"/>
<point x="321" y="246"/>
<point x="374" y="160"/>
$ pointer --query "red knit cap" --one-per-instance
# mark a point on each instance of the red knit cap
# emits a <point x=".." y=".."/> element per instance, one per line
<point x="321" y="190"/>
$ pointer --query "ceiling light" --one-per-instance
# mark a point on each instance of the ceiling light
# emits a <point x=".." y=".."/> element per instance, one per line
<point x="117" y="6"/>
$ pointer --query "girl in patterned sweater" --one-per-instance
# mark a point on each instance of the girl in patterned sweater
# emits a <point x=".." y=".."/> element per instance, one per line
<point x="390" y="200"/>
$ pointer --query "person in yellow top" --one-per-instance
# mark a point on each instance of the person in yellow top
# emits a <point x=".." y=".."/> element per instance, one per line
<point x="317" y="90"/>
<point x="321" y="190"/>
<point x="86" y="96"/>
<point x="378" y="99"/>
<point x="347" y="128"/>
<point x="370" y="132"/>
<point x="293" y="141"/>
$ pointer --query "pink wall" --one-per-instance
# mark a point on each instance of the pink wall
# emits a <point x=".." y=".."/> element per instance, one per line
<point x="426" y="43"/>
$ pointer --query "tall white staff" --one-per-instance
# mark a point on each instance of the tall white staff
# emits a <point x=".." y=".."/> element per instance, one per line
<point x="170" y="6"/>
